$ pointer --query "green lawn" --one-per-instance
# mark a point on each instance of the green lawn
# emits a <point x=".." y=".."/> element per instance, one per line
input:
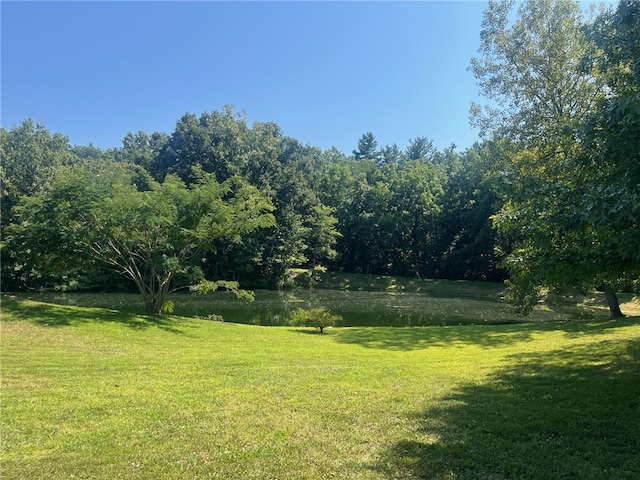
<point x="103" y="393"/>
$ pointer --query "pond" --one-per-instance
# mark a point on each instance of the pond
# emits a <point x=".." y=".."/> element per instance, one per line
<point x="357" y="308"/>
<point x="443" y="304"/>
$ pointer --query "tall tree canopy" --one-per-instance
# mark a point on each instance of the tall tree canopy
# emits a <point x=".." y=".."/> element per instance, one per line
<point x="530" y="69"/>
<point x="152" y="233"/>
<point x="384" y="211"/>
<point x="548" y="82"/>
<point x="611" y="193"/>
<point x="29" y="153"/>
<point x="367" y="147"/>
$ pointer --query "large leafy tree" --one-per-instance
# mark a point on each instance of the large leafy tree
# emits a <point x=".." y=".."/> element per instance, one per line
<point x="303" y="235"/>
<point x="546" y="88"/>
<point x="144" y="150"/>
<point x="152" y="233"/>
<point x="611" y="161"/>
<point x="216" y="141"/>
<point x="530" y="69"/>
<point x="29" y="153"/>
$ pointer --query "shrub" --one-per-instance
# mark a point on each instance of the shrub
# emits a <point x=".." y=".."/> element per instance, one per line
<point x="314" y="317"/>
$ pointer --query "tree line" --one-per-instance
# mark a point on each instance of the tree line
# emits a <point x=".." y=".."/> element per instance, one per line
<point x="420" y="212"/>
<point x="548" y="197"/>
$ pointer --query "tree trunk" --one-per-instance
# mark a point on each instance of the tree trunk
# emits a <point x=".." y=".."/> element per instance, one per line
<point x="154" y="293"/>
<point x="612" y="301"/>
<point x="154" y="304"/>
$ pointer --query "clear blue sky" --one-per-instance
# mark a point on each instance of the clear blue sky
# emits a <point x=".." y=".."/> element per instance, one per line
<point x="325" y="72"/>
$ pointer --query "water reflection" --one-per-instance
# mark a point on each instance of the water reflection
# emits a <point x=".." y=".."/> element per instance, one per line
<point x="357" y="308"/>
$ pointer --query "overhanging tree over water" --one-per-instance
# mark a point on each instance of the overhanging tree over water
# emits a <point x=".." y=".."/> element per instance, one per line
<point x="553" y="98"/>
<point x="152" y="233"/>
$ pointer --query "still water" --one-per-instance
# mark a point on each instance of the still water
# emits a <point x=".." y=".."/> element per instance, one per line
<point x="357" y="308"/>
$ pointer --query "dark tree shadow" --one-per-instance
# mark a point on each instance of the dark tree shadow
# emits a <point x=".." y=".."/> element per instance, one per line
<point x="571" y="414"/>
<point x="313" y="331"/>
<point x="54" y="315"/>
<point x="489" y="336"/>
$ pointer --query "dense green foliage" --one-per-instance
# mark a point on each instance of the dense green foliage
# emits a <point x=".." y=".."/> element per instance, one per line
<point x="314" y="317"/>
<point x="549" y="198"/>
<point x="567" y="116"/>
<point x="151" y="233"/>
<point x="415" y="214"/>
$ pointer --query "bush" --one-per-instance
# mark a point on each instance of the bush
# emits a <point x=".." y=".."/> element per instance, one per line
<point x="314" y="317"/>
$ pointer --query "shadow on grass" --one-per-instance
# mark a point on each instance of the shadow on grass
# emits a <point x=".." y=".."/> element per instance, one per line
<point x="53" y="315"/>
<point x="393" y="338"/>
<point x="312" y="331"/>
<point x="571" y="414"/>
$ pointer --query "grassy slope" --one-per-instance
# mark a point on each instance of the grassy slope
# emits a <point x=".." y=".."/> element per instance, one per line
<point x="98" y="393"/>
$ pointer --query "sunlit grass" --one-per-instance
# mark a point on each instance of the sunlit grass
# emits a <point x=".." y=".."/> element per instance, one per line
<point x="103" y="393"/>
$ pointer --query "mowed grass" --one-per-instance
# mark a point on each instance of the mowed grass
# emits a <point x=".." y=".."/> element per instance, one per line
<point x="103" y="393"/>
